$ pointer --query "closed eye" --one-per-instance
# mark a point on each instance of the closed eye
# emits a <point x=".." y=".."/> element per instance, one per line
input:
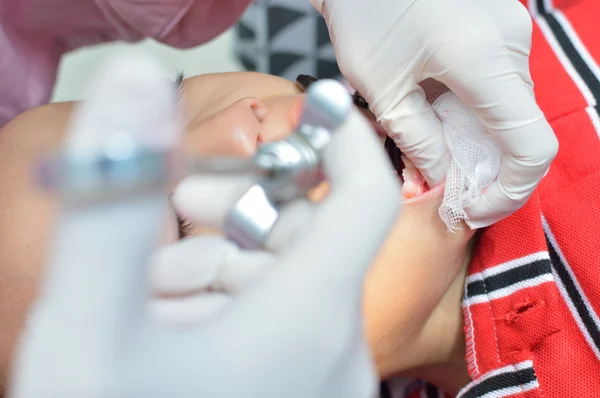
<point x="184" y="227"/>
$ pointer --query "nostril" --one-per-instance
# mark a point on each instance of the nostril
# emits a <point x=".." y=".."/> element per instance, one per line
<point x="257" y="106"/>
<point x="260" y="111"/>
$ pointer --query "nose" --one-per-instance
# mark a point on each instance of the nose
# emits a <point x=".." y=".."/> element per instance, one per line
<point x="233" y="131"/>
<point x="282" y="118"/>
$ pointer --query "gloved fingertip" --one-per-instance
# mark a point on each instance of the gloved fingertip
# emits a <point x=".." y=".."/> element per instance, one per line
<point x="493" y="206"/>
<point x="416" y="129"/>
<point x="435" y="172"/>
<point x="177" y="269"/>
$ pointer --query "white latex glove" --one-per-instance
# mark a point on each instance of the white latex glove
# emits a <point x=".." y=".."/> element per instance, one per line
<point x="480" y="50"/>
<point x="296" y="333"/>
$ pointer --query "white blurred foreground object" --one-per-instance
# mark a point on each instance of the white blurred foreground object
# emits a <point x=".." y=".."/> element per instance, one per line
<point x="296" y="333"/>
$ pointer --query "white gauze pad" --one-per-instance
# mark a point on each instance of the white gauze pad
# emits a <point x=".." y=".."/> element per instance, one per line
<point x="475" y="158"/>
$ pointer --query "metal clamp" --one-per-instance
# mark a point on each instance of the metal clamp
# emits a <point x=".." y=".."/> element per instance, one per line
<point x="283" y="170"/>
<point x="250" y="221"/>
<point x="290" y="168"/>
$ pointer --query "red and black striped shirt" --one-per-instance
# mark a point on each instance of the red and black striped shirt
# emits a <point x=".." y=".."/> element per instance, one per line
<point x="532" y="296"/>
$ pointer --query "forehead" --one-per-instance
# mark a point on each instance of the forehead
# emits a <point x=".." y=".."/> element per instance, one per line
<point x="206" y="95"/>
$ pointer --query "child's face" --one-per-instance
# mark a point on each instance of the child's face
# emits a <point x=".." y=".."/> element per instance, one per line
<point x="231" y="114"/>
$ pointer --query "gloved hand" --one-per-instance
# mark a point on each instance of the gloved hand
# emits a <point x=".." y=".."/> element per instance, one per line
<point x="480" y="50"/>
<point x="296" y="333"/>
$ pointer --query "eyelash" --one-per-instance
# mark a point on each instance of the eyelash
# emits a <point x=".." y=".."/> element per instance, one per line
<point x="184" y="228"/>
<point x="179" y="85"/>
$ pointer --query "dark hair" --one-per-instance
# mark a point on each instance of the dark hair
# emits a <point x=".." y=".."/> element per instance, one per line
<point x="304" y="82"/>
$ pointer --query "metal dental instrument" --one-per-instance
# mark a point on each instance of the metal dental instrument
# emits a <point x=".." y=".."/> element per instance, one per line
<point x="326" y="107"/>
<point x="287" y="169"/>
<point x="282" y="170"/>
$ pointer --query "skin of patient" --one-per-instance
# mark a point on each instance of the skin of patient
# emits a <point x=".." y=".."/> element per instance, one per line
<point x="412" y="295"/>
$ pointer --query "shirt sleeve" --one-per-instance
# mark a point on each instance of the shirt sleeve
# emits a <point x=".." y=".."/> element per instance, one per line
<point x="28" y="67"/>
<point x="178" y="23"/>
<point x="34" y="34"/>
<point x="204" y="21"/>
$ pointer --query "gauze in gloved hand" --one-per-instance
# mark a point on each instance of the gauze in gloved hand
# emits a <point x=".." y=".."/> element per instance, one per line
<point x="480" y="50"/>
<point x="475" y="159"/>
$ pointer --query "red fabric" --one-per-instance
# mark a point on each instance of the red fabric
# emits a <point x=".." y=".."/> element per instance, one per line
<point x="532" y="295"/>
<point x="535" y="323"/>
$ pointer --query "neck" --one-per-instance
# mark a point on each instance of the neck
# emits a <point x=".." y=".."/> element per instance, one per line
<point x="449" y="370"/>
<point x="450" y="376"/>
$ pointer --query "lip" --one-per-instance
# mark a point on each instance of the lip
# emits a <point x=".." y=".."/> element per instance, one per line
<point x="431" y="194"/>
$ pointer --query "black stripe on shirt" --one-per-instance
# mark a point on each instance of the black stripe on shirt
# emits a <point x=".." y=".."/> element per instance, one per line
<point x="508" y="278"/>
<point x="578" y="62"/>
<point x="431" y="391"/>
<point x="501" y="381"/>
<point x="577" y="301"/>
<point x="384" y="390"/>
